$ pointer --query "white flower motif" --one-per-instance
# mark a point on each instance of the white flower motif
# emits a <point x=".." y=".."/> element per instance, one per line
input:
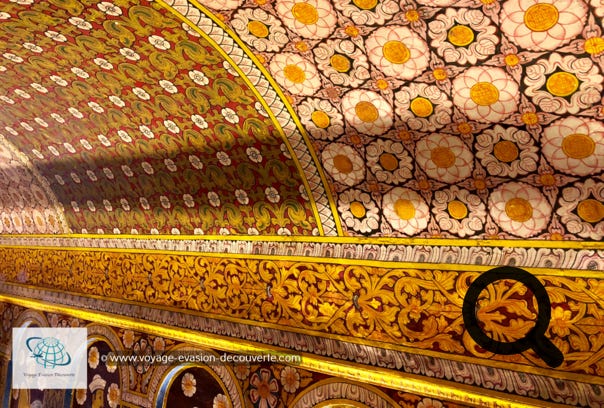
<point x="147" y="168"/>
<point x="321" y="118"/>
<point x="96" y="107"/>
<point x="144" y="203"/>
<point x="55" y="152"/>
<point x="75" y="206"/>
<point x="272" y="195"/>
<point x="113" y="395"/>
<point x="170" y="165"/>
<point x="85" y="144"/>
<point x="295" y="74"/>
<point x="117" y="101"/>
<point x="91" y="206"/>
<point x="230" y="115"/>
<point x="389" y="161"/>
<point x="164" y="201"/>
<point x="563" y="84"/>
<point x="127" y="170"/>
<point x="575" y="145"/>
<point x="423" y="107"/>
<point x="6" y="99"/>
<point x="124" y="136"/>
<point x="91" y="175"/>
<point x="507" y="151"/>
<point x="582" y="209"/>
<point x="159" y="42"/>
<point x="458" y="211"/>
<point x="519" y="209"/>
<point x="463" y="36"/>
<point x="171" y="126"/>
<point x="242" y="197"/>
<point x="32" y="47"/>
<point x="405" y="210"/>
<point x="539" y="25"/>
<point x="358" y="211"/>
<point x="195" y="162"/>
<point x="37" y="154"/>
<point x="80" y="23"/>
<point x="224" y="231"/>
<point x="314" y="19"/>
<point x="107" y="205"/>
<point x="398" y="52"/>
<point x="343" y="163"/>
<point x="109" y="8"/>
<point x="53" y="35"/>
<point x="188" y="200"/>
<point x="104" y="141"/>
<point x="223" y="158"/>
<point x="198" y="77"/>
<point x="93" y="357"/>
<point x="199" y="121"/>
<point x="4" y="15"/>
<point x="80" y="72"/>
<point x="57" y="117"/>
<point x="130" y="54"/>
<point x="254" y="154"/>
<point x="252" y="231"/>
<point x="12" y="57"/>
<point x="108" y="173"/>
<point x="75" y="113"/>
<point x="146" y="131"/>
<point x="69" y="147"/>
<point x="368" y="112"/>
<point x="141" y="93"/>
<point x="22" y="94"/>
<point x="58" y="80"/>
<point x="220" y="401"/>
<point x="213" y="199"/>
<point x="41" y="122"/>
<point x="59" y="180"/>
<point x="26" y="126"/>
<point x="259" y="29"/>
<point x="168" y="86"/>
<point x="445" y="158"/>
<point x="103" y="63"/>
<point x="486" y="94"/>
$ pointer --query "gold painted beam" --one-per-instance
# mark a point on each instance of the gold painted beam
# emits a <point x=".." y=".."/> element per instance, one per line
<point x="391" y="379"/>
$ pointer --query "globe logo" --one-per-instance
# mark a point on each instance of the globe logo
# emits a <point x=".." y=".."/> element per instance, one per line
<point x="48" y="352"/>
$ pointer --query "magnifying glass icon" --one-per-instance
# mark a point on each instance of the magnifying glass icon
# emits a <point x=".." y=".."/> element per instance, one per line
<point x="535" y="339"/>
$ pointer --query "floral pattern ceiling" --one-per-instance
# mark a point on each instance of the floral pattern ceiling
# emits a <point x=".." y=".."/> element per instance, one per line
<point x="477" y="119"/>
<point x="463" y="119"/>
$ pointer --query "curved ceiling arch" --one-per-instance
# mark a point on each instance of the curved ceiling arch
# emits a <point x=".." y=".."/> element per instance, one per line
<point x="140" y="125"/>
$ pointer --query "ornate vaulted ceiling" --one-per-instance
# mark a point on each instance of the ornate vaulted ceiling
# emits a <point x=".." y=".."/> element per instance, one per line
<point x="323" y="176"/>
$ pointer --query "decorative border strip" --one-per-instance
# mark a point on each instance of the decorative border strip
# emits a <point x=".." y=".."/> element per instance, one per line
<point x="267" y="90"/>
<point x="330" y="356"/>
<point x="586" y="256"/>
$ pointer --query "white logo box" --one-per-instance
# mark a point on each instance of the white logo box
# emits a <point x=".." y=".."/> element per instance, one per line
<point x="49" y="358"/>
